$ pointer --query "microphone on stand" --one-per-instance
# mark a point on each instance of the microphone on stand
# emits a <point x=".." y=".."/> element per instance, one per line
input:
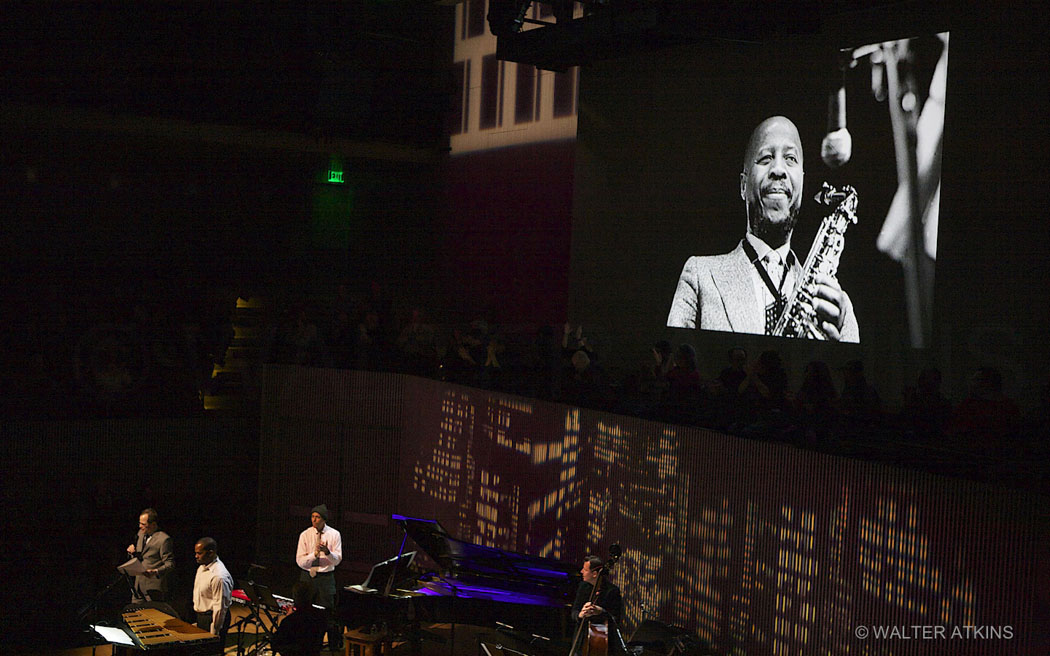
<point x="837" y="146"/>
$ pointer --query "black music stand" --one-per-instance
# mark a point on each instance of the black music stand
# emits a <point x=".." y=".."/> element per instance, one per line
<point x="390" y="574"/>
<point x="88" y="613"/>
<point x="262" y="606"/>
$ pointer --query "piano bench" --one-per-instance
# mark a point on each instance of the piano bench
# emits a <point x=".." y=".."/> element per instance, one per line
<point x="360" y="643"/>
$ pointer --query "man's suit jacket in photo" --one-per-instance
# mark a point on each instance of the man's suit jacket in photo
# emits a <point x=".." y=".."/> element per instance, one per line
<point x="715" y="292"/>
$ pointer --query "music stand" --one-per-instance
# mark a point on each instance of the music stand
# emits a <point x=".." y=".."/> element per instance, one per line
<point x="387" y="575"/>
<point x="261" y="607"/>
<point x="88" y="613"/>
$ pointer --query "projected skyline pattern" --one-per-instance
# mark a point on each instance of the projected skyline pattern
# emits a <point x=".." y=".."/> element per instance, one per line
<point x="757" y="548"/>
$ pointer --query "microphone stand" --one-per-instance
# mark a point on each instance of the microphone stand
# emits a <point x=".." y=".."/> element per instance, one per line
<point x="917" y="267"/>
<point x="90" y="609"/>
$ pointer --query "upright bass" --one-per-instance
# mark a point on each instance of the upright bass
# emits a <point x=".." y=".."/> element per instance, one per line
<point x="593" y="637"/>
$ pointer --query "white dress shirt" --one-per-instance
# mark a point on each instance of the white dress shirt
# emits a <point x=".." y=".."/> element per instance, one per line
<point x="308" y="539"/>
<point x="213" y="590"/>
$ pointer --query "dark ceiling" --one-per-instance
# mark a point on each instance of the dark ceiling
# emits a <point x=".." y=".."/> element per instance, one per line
<point x="375" y="70"/>
<point x="619" y="28"/>
<point x="352" y="69"/>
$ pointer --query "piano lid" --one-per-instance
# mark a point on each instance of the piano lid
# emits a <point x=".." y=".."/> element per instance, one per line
<point x="489" y="566"/>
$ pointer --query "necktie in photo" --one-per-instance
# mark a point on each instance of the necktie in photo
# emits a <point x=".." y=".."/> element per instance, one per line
<point x="775" y="269"/>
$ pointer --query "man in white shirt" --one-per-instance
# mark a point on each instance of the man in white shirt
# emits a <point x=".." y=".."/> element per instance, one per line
<point x="212" y="590"/>
<point x="320" y="551"/>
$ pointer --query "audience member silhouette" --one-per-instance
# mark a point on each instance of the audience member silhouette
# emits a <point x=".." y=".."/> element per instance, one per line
<point x="463" y="358"/>
<point x="416" y="344"/>
<point x="764" y="390"/>
<point x="986" y="421"/>
<point x="370" y="351"/>
<point x="735" y="373"/>
<point x="306" y="341"/>
<point x="684" y="398"/>
<point x="815" y="402"/>
<point x="725" y="392"/>
<point x="926" y="411"/>
<point x="573" y="340"/>
<point x="491" y="367"/>
<point x="583" y="382"/>
<point x="663" y="361"/>
<point x="651" y="385"/>
<point x="859" y="402"/>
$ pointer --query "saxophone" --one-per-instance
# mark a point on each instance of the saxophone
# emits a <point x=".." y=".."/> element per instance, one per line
<point x="799" y="318"/>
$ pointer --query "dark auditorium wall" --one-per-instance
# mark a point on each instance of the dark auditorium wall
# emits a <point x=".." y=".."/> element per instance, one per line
<point x="333" y="437"/>
<point x="503" y="233"/>
<point x="147" y="224"/>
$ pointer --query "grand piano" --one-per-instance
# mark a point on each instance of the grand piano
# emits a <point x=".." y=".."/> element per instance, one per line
<point x="471" y="584"/>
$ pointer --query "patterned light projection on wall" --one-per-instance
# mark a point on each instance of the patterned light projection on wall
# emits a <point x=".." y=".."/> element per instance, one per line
<point x="754" y="547"/>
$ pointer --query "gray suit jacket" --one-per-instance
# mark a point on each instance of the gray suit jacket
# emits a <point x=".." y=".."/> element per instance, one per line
<point x="715" y="293"/>
<point x="158" y="555"/>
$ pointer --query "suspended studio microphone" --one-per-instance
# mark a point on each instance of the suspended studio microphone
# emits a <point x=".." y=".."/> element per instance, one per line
<point x="837" y="146"/>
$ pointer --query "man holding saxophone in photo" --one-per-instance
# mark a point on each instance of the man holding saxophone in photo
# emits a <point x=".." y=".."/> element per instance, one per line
<point x="748" y="289"/>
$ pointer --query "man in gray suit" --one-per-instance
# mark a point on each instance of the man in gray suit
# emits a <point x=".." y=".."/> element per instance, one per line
<point x="743" y="291"/>
<point x="153" y="547"/>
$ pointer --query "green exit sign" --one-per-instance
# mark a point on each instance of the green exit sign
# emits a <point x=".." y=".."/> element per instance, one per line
<point x="335" y="177"/>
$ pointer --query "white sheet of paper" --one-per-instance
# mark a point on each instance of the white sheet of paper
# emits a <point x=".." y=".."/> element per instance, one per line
<point x="113" y="636"/>
<point x="133" y="567"/>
